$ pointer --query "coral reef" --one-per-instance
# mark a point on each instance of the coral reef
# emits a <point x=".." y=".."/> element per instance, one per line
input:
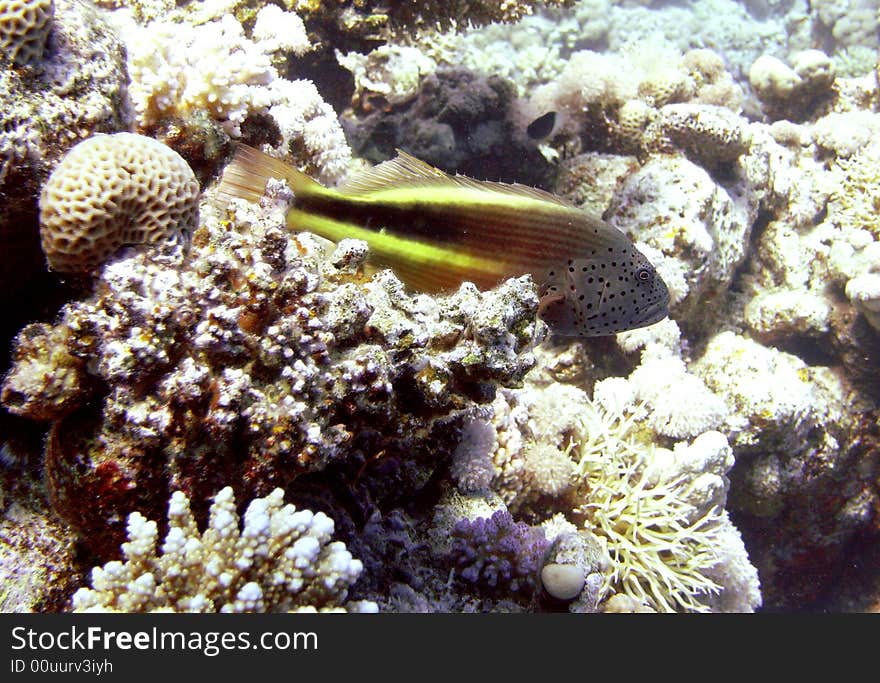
<point x="113" y="190"/>
<point x="261" y="356"/>
<point x="36" y="554"/>
<point x="497" y="553"/>
<point x="198" y="85"/>
<point x="657" y="513"/>
<point x="372" y="21"/>
<point x="702" y="230"/>
<point x="618" y="103"/>
<point x="29" y="389"/>
<point x="725" y="459"/>
<point x="712" y="136"/>
<point x="280" y="560"/>
<point x="795" y="92"/>
<point x="39" y="554"/>
<point x="850" y="22"/>
<point x="177" y="69"/>
<point x="799" y="459"/>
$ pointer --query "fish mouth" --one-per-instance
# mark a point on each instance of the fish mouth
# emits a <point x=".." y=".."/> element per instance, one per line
<point x="653" y="313"/>
<point x="659" y="308"/>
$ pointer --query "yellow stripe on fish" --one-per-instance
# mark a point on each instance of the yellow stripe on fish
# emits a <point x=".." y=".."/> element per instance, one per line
<point x="436" y="231"/>
<point x="389" y="250"/>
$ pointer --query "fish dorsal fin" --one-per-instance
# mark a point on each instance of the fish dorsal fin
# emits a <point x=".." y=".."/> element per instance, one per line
<point x="402" y="170"/>
<point x="406" y="171"/>
<point x="512" y="189"/>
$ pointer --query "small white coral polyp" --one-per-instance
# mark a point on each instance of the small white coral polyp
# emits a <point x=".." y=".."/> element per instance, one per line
<point x="660" y="544"/>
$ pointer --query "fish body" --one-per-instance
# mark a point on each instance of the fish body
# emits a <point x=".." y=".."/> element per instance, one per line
<point x="436" y="231"/>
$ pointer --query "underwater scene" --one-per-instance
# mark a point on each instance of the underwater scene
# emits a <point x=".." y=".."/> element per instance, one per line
<point x="442" y="306"/>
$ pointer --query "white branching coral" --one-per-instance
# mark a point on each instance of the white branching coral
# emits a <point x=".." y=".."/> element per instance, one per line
<point x="179" y="70"/>
<point x="281" y="560"/>
<point x="276" y="30"/>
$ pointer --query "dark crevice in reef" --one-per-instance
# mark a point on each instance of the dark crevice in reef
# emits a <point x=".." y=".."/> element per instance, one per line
<point x="335" y="83"/>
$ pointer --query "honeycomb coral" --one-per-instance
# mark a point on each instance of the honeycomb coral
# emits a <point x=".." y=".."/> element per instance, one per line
<point x="112" y="190"/>
<point x="78" y="89"/>
<point x="24" y="29"/>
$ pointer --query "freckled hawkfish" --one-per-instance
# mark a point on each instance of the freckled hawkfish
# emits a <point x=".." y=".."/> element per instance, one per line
<point x="435" y="231"/>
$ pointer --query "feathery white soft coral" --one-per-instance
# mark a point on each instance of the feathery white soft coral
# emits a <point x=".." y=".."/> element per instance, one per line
<point x="659" y="526"/>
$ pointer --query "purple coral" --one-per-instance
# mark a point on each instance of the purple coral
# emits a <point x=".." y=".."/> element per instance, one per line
<point x="498" y="554"/>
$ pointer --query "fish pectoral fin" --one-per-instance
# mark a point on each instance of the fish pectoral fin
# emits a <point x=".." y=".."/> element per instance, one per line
<point x="549" y="299"/>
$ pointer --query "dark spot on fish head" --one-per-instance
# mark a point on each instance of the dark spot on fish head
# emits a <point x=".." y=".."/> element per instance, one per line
<point x="542" y="126"/>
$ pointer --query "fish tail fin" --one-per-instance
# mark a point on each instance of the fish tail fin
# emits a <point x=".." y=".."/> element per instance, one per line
<point x="250" y="169"/>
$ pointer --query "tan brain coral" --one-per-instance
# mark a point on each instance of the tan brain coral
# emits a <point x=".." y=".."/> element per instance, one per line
<point x="24" y="29"/>
<point x="113" y="190"/>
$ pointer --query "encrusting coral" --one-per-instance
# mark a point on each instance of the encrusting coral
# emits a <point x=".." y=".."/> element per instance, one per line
<point x="37" y="553"/>
<point x="281" y="560"/>
<point x="113" y="190"/>
<point x="793" y="92"/>
<point x="37" y="348"/>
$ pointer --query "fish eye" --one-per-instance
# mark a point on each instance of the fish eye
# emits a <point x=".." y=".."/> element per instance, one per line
<point x="643" y="274"/>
